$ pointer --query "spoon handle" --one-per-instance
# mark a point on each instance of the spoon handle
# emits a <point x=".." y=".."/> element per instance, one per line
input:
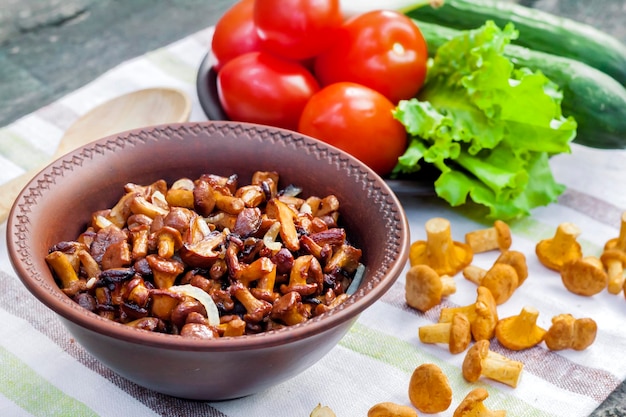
<point x="11" y="189"/>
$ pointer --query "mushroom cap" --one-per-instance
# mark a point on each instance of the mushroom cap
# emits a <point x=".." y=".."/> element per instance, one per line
<point x="585" y="330"/>
<point x="504" y="234"/>
<point x="561" y="332"/>
<point x="502" y="281"/>
<point x="423" y="287"/>
<point x="517" y="260"/>
<point x="584" y="276"/>
<point x="472" y="363"/>
<point x="460" y="333"/>
<point x="486" y="315"/>
<point x="429" y="389"/>
<point x="521" y="331"/>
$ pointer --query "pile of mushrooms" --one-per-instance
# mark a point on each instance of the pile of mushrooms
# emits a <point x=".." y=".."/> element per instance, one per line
<point x="210" y="257"/>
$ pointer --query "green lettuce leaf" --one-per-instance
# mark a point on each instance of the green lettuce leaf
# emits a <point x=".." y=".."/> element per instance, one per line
<point x="489" y="127"/>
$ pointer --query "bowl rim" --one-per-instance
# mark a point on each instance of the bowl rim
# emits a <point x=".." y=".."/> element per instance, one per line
<point x="59" y="303"/>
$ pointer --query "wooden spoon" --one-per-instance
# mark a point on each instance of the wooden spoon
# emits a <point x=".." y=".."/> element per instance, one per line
<point x="141" y="108"/>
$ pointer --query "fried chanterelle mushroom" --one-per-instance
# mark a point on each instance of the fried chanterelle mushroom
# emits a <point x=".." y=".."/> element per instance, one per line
<point x="568" y="332"/>
<point x="481" y="361"/>
<point x="472" y="405"/>
<point x="439" y="251"/>
<point x="429" y="389"/>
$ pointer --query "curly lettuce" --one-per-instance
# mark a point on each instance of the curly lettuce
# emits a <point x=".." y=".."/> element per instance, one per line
<point x="488" y="127"/>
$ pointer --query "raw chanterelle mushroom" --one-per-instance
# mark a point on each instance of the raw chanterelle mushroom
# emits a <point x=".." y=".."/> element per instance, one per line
<point x="496" y="237"/>
<point x="560" y="249"/>
<point x="584" y="276"/>
<point x="501" y="279"/>
<point x="618" y="242"/>
<point x="389" y="409"/>
<point x="481" y="361"/>
<point x="521" y="331"/>
<point x="456" y="333"/>
<point x="614" y="260"/>
<point x="483" y="314"/>
<point x="439" y="251"/>
<point x="424" y="288"/>
<point x="567" y="332"/>
<point x="429" y="390"/>
<point x="472" y="405"/>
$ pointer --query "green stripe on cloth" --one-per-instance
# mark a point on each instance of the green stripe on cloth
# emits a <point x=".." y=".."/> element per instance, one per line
<point x="170" y="64"/>
<point x="22" y="385"/>
<point x="406" y="357"/>
<point x="18" y="150"/>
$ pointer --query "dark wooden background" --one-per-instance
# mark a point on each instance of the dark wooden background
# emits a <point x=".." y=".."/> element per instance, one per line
<point x="49" y="48"/>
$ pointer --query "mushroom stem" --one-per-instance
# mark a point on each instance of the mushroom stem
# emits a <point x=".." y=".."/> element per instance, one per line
<point x="474" y="273"/>
<point x="435" y="333"/>
<point x="614" y="261"/>
<point x="481" y="361"/>
<point x="448" y="285"/>
<point x="615" y="270"/>
<point x="502" y="369"/>
<point x="438" y="240"/>
<point x="496" y="237"/>
<point x="456" y="333"/>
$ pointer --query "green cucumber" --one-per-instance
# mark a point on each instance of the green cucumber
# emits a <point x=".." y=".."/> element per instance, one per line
<point x="539" y="30"/>
<point x="594" y="99"/>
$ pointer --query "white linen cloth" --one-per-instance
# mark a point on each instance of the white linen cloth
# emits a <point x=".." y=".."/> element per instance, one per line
<point x="43" y="372"/>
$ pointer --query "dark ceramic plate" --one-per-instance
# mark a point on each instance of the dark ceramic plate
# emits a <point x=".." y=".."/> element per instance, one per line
<point x="206" y="85"/>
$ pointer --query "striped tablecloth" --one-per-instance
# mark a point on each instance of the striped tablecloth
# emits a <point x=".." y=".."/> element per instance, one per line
<point x="43" y="372"/>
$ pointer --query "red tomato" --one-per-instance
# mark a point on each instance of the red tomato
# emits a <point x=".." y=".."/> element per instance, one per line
<point x="260" y="88"/>
<point x="383" y="50"/>
<point x="297" y="29"/>
<point x="235" y="33"/>
<point x="357" y="120"/>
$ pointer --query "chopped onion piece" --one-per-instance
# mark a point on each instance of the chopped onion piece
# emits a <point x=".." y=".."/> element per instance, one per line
<point x="305" y="208"/>
<point x="356" y="281"/>
<point x="291" y="191"/>
<point x="159" y="200"/>
<point x="203" y="297"/>
<point x="269" y="239"/>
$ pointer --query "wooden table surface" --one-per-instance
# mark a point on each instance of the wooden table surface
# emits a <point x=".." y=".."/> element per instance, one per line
<point x="49" y="48"/>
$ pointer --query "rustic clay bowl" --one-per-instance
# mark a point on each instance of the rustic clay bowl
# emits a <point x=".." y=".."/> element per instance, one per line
<point x="57" y="204"/>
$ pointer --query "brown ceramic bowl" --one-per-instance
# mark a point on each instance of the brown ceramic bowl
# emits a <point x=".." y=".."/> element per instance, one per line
<point x="57" y="204"/>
